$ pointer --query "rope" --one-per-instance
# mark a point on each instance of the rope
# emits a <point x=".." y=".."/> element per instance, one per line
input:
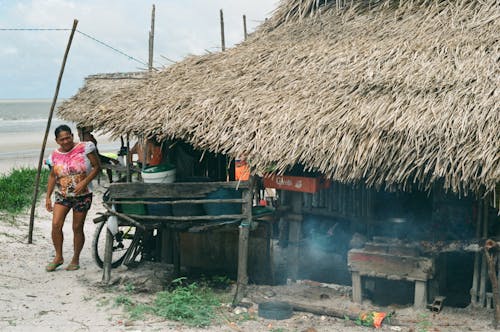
<point x="85" y="35"/>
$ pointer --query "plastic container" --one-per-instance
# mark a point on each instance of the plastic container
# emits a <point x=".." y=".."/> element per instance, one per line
<point x="189" y="209"/>
<point x="159" y="209"/>
<point x="138" y="209"/>
<point x="215" y="209"/>
<point x="159" y="174"/>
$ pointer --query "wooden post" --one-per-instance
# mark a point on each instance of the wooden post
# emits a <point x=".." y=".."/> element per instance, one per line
<point x="295" y="235"/>
<point x="491" y="258"/>
<point x="420" y="299"/>
<point x="47" y="129"/>
<point x="176" y="254"/>
<point x="244" y="231"/>
<point x="108" y="256"/>
<point x="482" y="285"/>
<point x="477" y="257"/>
<point x="129" y="164"/>
<point x="151" y="39"/>
<point x="356" y="287"/>
<point x="245" y="35"/>
<point x="222" y="37"/>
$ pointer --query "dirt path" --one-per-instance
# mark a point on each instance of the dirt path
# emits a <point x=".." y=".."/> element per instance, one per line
<point x="34" y="300"/>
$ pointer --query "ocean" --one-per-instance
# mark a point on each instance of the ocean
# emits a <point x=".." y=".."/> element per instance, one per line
<point x="22" y="129"/>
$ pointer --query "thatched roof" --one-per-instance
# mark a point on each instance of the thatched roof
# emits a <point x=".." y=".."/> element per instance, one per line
<point x="392" y="94"/>
<point x="83" y="108"/>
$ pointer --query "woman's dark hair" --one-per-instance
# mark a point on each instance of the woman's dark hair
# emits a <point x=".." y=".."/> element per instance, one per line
<point x="62" y="128"/>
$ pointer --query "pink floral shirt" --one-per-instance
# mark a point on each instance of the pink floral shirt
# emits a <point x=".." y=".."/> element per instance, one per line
<point x="71" y="167"/>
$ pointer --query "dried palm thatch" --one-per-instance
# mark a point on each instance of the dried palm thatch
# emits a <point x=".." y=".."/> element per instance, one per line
<point x="83" y="107"/>
<point x="394" y="94"/>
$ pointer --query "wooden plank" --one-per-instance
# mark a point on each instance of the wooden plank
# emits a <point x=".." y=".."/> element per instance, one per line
<point x="140" y="218"/>
<point x="180" y="201"/>
<point x="356" y="287"/>
<point x="170" y="190"/>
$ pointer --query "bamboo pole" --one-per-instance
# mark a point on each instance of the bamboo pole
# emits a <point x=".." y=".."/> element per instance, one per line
<point x="245" y="34"/>
<point x="49" y="121"/>
<point x="222" y="37"/>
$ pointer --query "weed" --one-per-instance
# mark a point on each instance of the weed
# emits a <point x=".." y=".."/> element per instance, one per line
<point x="123" y="300"/>
<point x="424" y="324"/>
<point x="16" y="189"/>
<point x="190" y="304"/>
<point x="139" y="310"/>
<point x="278" y="329"/>
<point x="245" y="316"/>
<point x="129" y="287"/>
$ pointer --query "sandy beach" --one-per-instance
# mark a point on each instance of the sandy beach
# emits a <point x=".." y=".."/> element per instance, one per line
<point x="23" y="149"/>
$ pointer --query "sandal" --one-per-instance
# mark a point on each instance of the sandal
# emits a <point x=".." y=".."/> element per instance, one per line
<point x="51" y="267"/>
<point x="72" y="267"/>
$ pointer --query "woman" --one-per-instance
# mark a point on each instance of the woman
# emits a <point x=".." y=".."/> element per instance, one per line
<point x="74" y="165"/>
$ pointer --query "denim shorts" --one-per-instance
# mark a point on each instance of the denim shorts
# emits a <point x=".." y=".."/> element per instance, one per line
<point x="79" y="203"/>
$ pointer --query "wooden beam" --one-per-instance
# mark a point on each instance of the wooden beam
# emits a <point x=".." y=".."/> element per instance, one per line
<point x="170" y="190"/>
<point x="180" y="201"/>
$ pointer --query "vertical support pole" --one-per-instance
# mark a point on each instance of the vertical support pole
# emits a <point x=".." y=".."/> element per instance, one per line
<point x="245" y="35"/>
<point x="244" y="231"/>
<point x="151" y="39"/>
<point x="295" y="235"/>
<point x="176" y="253"/>
<point x="49" y="120"/>
<point x="222" y="37"/>
<point x="477" y="258"/>
<point x="283" y="223"/>
<point x="420" y="300"/>
<point x="108" y="256"/>
<point x="129" y="164"/>
<point x="356" y="287"/>
<point x="482" y="285"/>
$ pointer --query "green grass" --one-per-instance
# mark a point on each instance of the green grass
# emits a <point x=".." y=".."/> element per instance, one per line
<point x="16" y="189"/>
<point x="191" y="304"/>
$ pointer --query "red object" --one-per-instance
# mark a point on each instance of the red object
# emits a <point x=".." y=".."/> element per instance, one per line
<point x="296" y="183"/>
<point x="241" y="170"/>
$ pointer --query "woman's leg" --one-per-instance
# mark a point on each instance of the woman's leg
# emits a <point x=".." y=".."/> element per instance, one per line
<point x="78" y="235"/>
<point x="58" y="216"/>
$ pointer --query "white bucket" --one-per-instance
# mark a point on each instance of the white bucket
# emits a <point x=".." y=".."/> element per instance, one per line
<point x="159" y="177"/>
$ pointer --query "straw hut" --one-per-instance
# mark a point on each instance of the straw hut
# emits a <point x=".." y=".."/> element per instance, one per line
<point x="384" y="92"/>
<point x="371" y="94"/>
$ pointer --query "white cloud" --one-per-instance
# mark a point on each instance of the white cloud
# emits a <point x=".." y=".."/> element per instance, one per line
<point x="182" y="27"/>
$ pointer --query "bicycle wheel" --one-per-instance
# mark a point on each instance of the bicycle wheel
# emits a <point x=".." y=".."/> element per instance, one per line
<point x="121" y="244"/>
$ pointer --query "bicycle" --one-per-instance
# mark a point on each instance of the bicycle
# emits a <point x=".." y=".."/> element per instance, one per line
<point x="127" y="244"/>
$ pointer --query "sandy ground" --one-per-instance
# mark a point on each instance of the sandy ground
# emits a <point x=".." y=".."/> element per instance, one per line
<point x="34" y="300"/>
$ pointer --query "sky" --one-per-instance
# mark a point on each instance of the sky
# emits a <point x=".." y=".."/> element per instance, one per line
<point x="30" y="60"/>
